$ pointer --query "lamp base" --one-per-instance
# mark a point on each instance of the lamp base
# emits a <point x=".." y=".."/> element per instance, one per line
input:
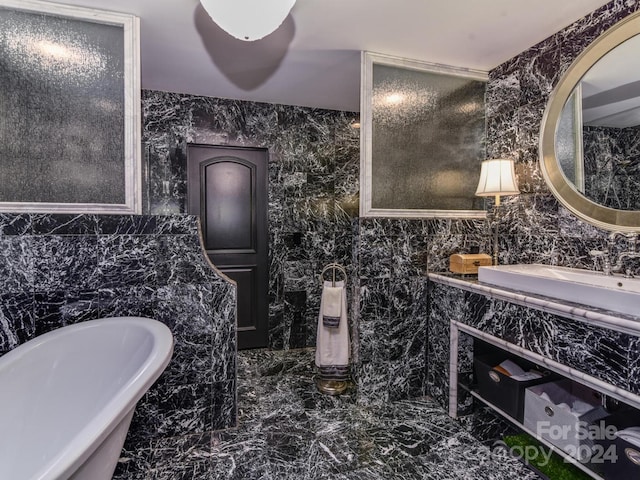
<point x="496" y="222"/>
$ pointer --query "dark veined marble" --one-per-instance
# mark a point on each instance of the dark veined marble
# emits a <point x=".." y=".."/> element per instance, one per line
<point x="605" y="354"/>
<point x="445" y="305"/>
<point x="58" y="270"/>
<point x="288" y="430"/>
<point x="399" y="347"/>
<point x="535" y="228"/>
<point x="400" y="351"/>
<point x="313" y="198"/>
<point x="611" y="166"/>
<point x="313" y="188"/>
<point x="314" y="161"/>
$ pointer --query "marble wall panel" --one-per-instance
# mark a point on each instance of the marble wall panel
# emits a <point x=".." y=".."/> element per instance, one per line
<point x="444" y="306"/>
<point x="517" y="92"/>
<point x="313" y="208"/>
<point x="314" y="161"/>
<point x="633" y="362"/>
<point x="394" y="331"/>
<point x="533" y="227"/>
<point x="63" y="269"/>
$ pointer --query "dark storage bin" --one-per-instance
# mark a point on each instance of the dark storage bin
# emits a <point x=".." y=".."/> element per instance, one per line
<point x="627" y="463"/>
<point x="501" y="390"/>
<point x="620" y="459"/>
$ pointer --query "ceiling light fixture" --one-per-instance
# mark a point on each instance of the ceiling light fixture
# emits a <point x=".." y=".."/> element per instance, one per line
<point x="248" y="20"/>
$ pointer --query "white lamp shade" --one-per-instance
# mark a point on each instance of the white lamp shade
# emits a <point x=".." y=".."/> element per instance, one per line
<point x="248" y="20"/>
<point x="497" y="177"/>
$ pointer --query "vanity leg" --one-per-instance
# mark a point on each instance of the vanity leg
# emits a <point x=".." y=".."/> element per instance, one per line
<point x="453" y="370"/>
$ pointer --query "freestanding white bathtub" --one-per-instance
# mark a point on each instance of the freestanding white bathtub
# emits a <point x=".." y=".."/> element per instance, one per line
<point x="67" y="397"/>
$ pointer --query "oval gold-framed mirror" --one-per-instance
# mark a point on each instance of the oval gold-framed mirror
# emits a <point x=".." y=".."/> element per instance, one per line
<point x="569" y="191"/>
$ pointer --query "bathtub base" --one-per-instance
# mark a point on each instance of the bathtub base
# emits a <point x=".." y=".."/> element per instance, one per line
<point x="102" y="463"/>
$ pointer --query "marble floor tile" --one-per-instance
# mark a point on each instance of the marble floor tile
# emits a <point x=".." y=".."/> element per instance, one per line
<point x="287" y="430"/>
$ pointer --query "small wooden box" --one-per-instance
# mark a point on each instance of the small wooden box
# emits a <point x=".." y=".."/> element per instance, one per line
<point x="468" y="263"/>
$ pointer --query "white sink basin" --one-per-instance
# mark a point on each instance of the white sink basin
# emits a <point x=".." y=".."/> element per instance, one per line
<point x="584" y="287"/>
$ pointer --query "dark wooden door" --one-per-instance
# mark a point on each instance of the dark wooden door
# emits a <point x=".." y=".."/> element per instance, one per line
<point x="227" y="188"/>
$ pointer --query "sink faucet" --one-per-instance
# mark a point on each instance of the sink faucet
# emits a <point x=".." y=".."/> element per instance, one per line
<point x="621" y="257"/>
<point x="606" y="260"/>
<point x="622" y="260"/>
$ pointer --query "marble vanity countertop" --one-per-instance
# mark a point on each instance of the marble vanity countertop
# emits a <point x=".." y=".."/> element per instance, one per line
<point x="594" y="316"/>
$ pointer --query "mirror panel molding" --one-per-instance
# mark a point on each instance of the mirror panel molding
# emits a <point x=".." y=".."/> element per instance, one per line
<point x="601" y="216"/>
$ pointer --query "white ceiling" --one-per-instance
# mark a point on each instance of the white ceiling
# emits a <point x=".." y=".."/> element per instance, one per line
<point x="313" y="59"/>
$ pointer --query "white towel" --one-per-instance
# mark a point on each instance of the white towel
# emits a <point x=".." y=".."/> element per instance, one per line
<point x="332" y="346"/>
<point x="530" y="375"/>
<point x="331" y="306"/>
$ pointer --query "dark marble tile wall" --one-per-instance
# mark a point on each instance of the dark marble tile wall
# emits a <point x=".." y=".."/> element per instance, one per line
<point x="535" y="227"/>
<point x="612" y="166"/>
<point x="313" y="201"/>
<point x="447" y="304"/>
<point x="313" y="207"/>
<point x="392" y="257"/>
<point x="314" y="162"/>
<point x="58" y="270"/>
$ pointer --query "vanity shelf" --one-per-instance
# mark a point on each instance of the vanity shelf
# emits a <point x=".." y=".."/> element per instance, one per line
<point x="590" y="381"/>
<point x="546" y="443"/>
<point x="513" y="394"/>
<point x="562" y="371"/>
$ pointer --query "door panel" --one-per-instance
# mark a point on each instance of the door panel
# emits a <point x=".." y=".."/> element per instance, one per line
<point x="245" y="278"/>
<point x="227" y="188"/>
<point x="228" y="208"/>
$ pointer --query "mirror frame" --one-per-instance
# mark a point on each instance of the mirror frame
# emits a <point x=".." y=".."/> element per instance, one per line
<point x="589" y="211"/>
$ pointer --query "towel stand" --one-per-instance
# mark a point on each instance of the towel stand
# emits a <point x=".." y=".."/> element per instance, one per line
<point x="333" y="267"/>
<point x="328" y="386"/>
